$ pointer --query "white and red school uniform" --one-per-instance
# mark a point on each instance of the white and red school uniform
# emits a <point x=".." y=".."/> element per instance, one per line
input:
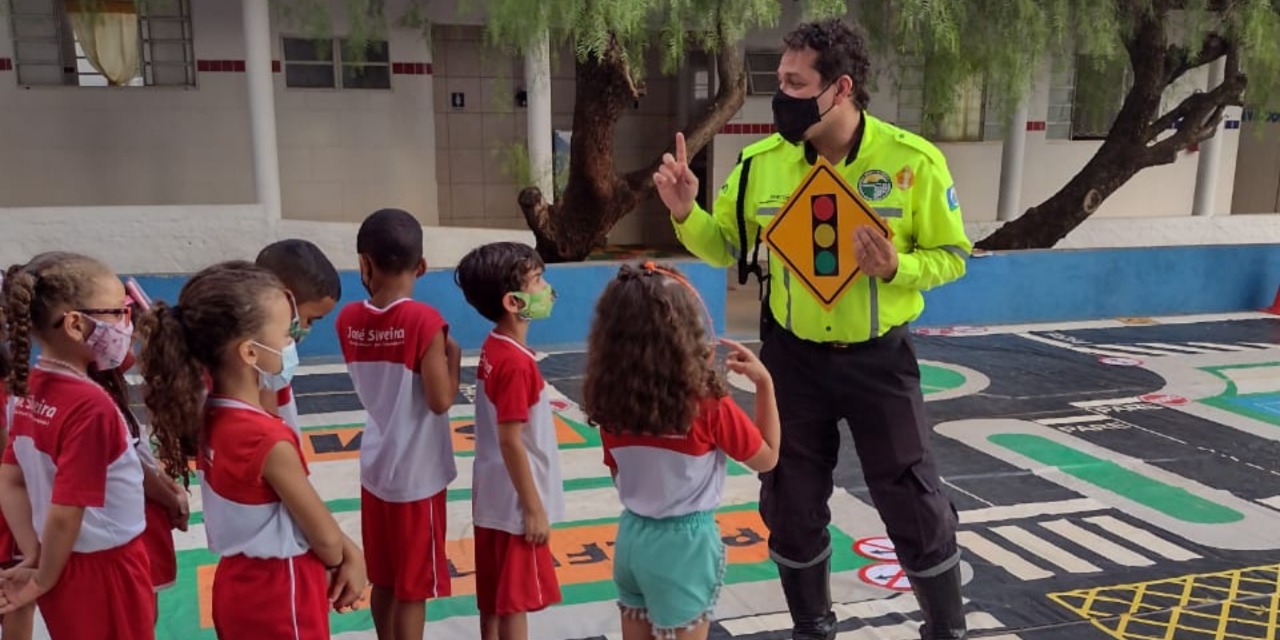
<point x="669" y="476"/>
<point x="287" y="409"/>
<point x="406" y="452"/>
<point x="268" y="584"/>
<point x="157" y="537"/>
<point x="74" y="449"/>
<point x="512" y="575"/>
<point x="8" y="546"/>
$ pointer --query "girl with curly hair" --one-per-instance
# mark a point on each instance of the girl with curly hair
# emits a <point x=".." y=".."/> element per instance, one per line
<point x="71" y="483"/>
<point x="283" y="560"/>
<point x="668" y="426"/>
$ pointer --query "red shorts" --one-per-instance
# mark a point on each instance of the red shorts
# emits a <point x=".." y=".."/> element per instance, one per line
<point x="104" y="595"/>
<point x="271" y="598"/>
<point x="404" y="546"/>
<point x="158" y="539"/>
<point x="513" y="576"/>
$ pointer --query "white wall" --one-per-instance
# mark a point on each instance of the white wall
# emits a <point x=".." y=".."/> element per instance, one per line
<point x="343" y="153"/>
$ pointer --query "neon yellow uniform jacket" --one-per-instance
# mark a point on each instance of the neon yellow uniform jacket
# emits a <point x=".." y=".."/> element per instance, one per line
<point x="900" y="174"/>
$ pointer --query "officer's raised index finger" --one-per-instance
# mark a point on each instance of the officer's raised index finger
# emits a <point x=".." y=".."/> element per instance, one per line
<point x="682" y="155"/>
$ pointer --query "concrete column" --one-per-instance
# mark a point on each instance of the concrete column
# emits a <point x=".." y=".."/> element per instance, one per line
<point x="1210" y="155"/>
<point x="1011" y="160"/>
<point x="537" y="77"/>
<point x="262" y="105"/>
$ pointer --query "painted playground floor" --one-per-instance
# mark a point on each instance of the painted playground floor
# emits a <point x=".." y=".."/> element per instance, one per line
<point x="1116" y="479"/>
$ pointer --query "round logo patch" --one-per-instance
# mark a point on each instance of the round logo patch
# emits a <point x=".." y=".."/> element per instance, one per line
<point x="875" y="185"/>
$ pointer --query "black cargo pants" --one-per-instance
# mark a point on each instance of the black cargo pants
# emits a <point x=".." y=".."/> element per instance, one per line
<point x="875" y="386"/>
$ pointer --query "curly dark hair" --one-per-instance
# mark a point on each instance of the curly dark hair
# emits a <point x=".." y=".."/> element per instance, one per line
<point x="842" y="51"/>
<point x="649" y="356"/>
<point x="35" y="296"/>
<point x="491" y="271"/>
<point x="218" y="306"/>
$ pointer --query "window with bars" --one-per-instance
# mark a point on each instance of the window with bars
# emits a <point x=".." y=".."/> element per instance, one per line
<point x="49" y="41"/>
<point x="762" y="72"/>
<point x="328" y="64"/>
<point x="966" y="121"/>
<point x="1098" y="91"/>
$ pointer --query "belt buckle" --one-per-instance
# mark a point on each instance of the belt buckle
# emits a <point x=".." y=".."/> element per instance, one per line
<point x="839" y="345"/>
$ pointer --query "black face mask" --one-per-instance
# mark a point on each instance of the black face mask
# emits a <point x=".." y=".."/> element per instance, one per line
<point x="794" y="116"/>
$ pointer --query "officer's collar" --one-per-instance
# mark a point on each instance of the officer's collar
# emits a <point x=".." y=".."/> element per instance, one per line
<point x="811" y="153"/>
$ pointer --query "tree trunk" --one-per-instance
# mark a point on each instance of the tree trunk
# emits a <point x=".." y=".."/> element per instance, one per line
<point x="596" y="196"/>
<point x="1134" y="142"/>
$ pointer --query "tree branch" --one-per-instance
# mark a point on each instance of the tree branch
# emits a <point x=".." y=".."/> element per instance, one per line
<point x="699" y="132"/>
<point x="1198" y="115"/>
<point x="1213" y="47"/>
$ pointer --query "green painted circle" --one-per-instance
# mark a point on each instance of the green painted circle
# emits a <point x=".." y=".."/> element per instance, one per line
<point x="938" y="379"/>
<point x="825" y="263"/>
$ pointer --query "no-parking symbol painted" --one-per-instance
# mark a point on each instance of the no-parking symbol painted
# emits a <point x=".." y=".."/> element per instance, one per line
<point x="1164" y="398"/>
<point x="1121" y="362"/>
<point x="889" y="575"/>
<point x="879" y="549"/>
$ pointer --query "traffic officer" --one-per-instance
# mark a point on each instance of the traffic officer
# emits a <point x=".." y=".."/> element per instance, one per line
<point x="853" y="361"/>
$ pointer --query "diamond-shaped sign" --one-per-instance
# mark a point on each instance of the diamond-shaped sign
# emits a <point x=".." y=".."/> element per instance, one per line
<point x="813" y="234"/>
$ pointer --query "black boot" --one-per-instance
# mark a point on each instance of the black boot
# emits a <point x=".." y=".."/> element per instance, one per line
<point x="940" y="603"/>
<point x="808" y="592"/>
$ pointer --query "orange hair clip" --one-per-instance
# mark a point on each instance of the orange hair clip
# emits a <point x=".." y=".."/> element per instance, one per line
<point x="651" y="267"/>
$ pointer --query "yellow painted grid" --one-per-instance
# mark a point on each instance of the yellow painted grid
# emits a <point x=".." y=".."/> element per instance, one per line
<point x="1241" y="604"/>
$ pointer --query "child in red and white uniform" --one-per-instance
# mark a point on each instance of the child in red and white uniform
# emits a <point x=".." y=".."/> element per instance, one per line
<point x="314" y="289"/>
<point x="71" y="482"/>
<point x="667" y="426"/>
<point x="18" y="625"/>
<point x="405" y="370"/>
<point x="283" y="560"/>
<point x="517" y="492"/>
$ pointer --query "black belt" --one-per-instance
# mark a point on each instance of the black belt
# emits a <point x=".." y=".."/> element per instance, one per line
<point x="833" y="345"/>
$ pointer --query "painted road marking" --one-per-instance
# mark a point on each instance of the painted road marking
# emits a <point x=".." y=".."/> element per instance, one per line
<point x="1137" y="350"/>
<point x="886" y="575"/>
<point x="1050" y="552"/>
<point x="1097" y="543"/>
<point x="1273" y="502"/>
<point x="1174" y="503"/>
<point x="1141" y="538"/>
<point x="1253" y="380"/>
<point x="895" y="606"/>
<point x="1073" y="419"/>
<point x="1176" y="349"/>
<point x="1218" y="346"/>
<point x="1000" y="557"/>
<point x="1030" y="509"/>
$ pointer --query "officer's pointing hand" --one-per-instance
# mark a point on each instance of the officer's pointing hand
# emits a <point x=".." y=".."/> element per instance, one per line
<point x="677" y="186"/>
<point x="876" y="256"/>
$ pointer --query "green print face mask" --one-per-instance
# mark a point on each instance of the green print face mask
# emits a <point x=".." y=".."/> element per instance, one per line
<point x="537" y="306"/>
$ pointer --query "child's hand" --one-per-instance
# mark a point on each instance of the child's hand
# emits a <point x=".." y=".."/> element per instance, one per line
<point x="537" y="529"/>
<point x="180" y="509"/>
<point x="743" y="361"/>
<point x="347" y="585"/>
<point x="18" y="588"/>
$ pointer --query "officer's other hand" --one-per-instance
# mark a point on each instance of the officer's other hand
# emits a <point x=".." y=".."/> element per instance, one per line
<point x="677" y="186"/>
<point x="876" y="256"/>
<point x="744" y="362"/>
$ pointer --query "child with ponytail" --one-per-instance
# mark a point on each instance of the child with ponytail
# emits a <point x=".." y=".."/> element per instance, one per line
<point x="71" y="482"/>
<point x="284" y="561"/>
<point x="17" y="625"/>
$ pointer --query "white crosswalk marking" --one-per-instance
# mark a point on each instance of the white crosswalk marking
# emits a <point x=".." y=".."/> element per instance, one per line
<point x="1074" y="419"/>
<point x="1001" y="557"/>
<point x="1176" y="349"/>
<point x="1136" y="350"/>
<point x="1126" y="531"/>
<point x="1218" y="346"/>
<point x="1050" y="552"/>
<point x="1097" y="544"/>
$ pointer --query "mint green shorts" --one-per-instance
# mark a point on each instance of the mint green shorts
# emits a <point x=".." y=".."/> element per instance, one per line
<point x="668" y="570"/>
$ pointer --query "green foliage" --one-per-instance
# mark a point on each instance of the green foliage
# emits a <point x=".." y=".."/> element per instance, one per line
<point x="1006" y="43"/>
<point x="513" y="158"/>
<point x="591" y="26"/>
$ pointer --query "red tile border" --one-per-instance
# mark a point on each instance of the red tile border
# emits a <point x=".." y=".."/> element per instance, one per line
<point x="226" y="66"/>
<point x="1036" y="125"/>
<point x="6" y="64"/>
<point x="275" y="66"/>
<point x="411" y="68"/>
<point x="754" y="129"/>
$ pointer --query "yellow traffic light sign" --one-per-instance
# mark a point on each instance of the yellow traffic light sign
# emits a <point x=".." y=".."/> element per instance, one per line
<point x="813" y="234"/>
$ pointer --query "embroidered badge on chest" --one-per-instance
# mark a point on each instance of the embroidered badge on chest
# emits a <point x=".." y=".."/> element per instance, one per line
<point x="875" y="185"/>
